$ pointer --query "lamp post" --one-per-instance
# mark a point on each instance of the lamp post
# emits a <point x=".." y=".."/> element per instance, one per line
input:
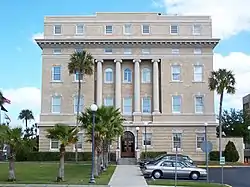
<point x="145" y="138"/>
<point x="137" y="132"/>
<point x="176" y="154"/>
<point x="93" y="108"/>
<point x="206" y="148"/>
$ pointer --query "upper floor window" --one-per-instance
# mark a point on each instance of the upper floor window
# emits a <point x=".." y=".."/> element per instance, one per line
<point x="78" y="49"/>
<point x="196" y="29"/>
<point x="145" y="29"/>
<point x="108" y="50"/>
<point x="198" y="73"/>
<point x="174" y="29"/>
<point x="127" y="105"/>
<point x="145" y="51"/>
<point x="108" y="29"/>
<point x="108" y="75"/>
<point x="146" y="75"/>
<point x="127" y="29"/>
<point x="80" y="104"/>
<point x="199" y="104"/>
<point x="146" y="105"/>
<point x="177" y="139"/>
<point x="57" y="51"/>
<point x="175" y="51"/>
<point x="78" y="76"/>
<point x="56" y="104"/>
<point x="57" y="29"/>
<point x="127" y="51"/>
<point x="109" y="101"/>
<point x="56" y="73"/>
<point x="197" y="51"/>
<point x="176" y="104"/>
<point x="127" y="76"/>
<point x="176" y="72"/>
<point x="79" y="29"/>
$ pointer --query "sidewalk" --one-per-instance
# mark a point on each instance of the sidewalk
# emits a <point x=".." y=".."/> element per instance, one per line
<point x="126" y="176"/>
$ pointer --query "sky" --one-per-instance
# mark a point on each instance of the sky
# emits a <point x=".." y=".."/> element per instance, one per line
<point x="22" y="21"/>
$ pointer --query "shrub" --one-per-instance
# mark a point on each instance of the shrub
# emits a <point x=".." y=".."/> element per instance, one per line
<point x="215" y="155"/>
<point x="152" y="154"/>
<point x="231" y="153"/>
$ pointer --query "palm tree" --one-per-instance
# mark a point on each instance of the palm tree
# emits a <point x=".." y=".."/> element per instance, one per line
<point x="221" y="81"/>
<point x="1" y="99"/>
<point x="66" y="135"/>
<point x="12" y="138"/>
<point x="81" y="63"/>
<point x="26" y="115"/>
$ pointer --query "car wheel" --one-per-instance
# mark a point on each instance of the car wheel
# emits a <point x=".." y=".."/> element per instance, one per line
<point x="194" y="175"/>
<point x="157" y="174"/>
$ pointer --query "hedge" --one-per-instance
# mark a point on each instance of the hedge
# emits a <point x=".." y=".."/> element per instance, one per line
<point x="215" y="155"/>
<point x="152" y="154"/>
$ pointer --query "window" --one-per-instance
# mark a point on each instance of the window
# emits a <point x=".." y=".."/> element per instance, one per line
<point x="78" y="76"/>
<point x="57" y="51"/>
<point x="178" y="164"/>
<point x="146" y="75"/>
<point x="199" y="104"/>
<point x="176" y="104"/>
<point x="145" y="29"/>
<point x="56" y="104"/>
<point x="108" y="101"/>
<point x="127" y="105"/>
<point x="147" y="139"/>
<point x="57" y="29"/>
<point x="127" y="76"/>
<point x="127" y="51"/>
<point x="108" y="50"/>
<point x="80" y="104"/>
<point x="200" y="137"/>
<point x="167" y="164"/>
<point x="78" y="50"/>
<point x="54" y="144"/>
<point x="108" y="29"/>
<point x="145" y="51"/>
<point x="108" y="75"/>
<point x="79" y="29"/>
<point x="146" y="105"/>
<point x="80" y="141"/>
<point x="173" y="29"/>
<point x="177" y="140"/>
<point x="196" y="29"/>
<point x="176" y="72"/>
<point x="198" y="73"/>
<point x="175" y="51"/>
<point x="197" y="51"/>
<point x="56" y="73"/>
<point x="127" y="29"/>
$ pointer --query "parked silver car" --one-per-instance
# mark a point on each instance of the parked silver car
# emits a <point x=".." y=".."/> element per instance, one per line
<point x="166" y="169"/>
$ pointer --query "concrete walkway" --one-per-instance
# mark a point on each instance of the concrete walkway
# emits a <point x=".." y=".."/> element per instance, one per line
<point x="126" y="176"/>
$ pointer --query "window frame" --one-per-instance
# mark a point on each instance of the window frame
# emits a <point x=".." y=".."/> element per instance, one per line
<point x="196" y="51"/>
<point x="142" y="75"/>
<point x="195" y="104"/>
<point x="131" y="100"/>
<point x="53" y="141"/>
<point x="172" y="72"/>
<point x="131" y="76"/>
<point x="197" y="142"/>
<point x="57" y="52"/>
<point x="53" y="73"/>
<point x="173" y="98"/>
<point x="110" y="30"/>
<point x="130" y="29"/>
<point x="145" y="51"/>
<point x="147" y="140"/>
<point x="80" y="142"/>
<point x="54" y="29"/>
<point x="53" y="105"/>
<point x="178" y="142"/>
<point x="108" y="51"/>
<point x="83" y="28"/>
<point x="195" y="29"/>
<point x="143" y="29"/>
<point x="177" y="29"/>
<point x="81" y="76"/>
<point x="108" y="70"/>
<point x="110" y="99"/>
<point x="81" y="107"/>
<point x="200" y="74"/>
<point x="175" y="51"/>
<point x="127" y="52"/>
<point x="143" y="105"/>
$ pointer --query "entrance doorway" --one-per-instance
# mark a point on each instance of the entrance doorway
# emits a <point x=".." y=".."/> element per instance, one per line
<point x="128" y="145"/>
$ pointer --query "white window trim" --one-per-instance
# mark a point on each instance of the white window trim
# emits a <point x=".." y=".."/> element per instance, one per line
<point x="142" y="81"/>
<point x="202" y="73"/>
<point x="53" y="149"/>
<point x="196" y="142"/>
<point x="105" y="78"/>
<point x="52" y="104"/>
<point x="124" y="29"/>
<point x="171" y="29"/>
<point x="54" y="29"/>
<point x="57" y="53"/>
<point x="105" y="100"/>
<point x="148" y="29"/>
<point x="143" y="137"/>
<point x="77" y="30"/>
<point x="194" y="33"/>
<point x="52" y="74"/>
<point x="123" y="106"/>
<point x="174" y="112"/>
<point x="80" y="109"/>
<point x="105" y="31"/>
<point x="75" y="80"/>
<point x="175" y="51"/>
<point x="81" y="149"/>
<point x="172" y="77"/>
<point x="196" y="112"/>
<point x="195" y="51"/>
<point x="125" y="81"/>
<point x="126" y="52"/>
<point x="145" y="52"/>
<point x="142" y="103"/>
<point x="178" y="149"/>
<point x="108" y="53"/>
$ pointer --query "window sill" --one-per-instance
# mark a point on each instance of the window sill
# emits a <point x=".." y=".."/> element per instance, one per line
<point x="76" y="81"/>
<point x="56" y="113"/>
<point x="146" y="114"/>
<point x="176" y="113"/>
<point x="145" y="33"/>
<point x="148" y="146"/>
<point x="198" y="150"/>
<point x="173" y="81"/>
<point x="174" y="33"/>
<point x="54" y="150"/>
<point x="57" y="34"/>
<point x="79" y="34"/>
<point x="127" y="114"/>
<point x="196" y="34"/>
<point x="198" y="81"/>
<point x="199" y="113"/>
<point x="178" y="150"/>
<point x="56" y="82"/>
<point x="127" y="82"/>
<point x="146" y="82"/>
<point x="108" y="82"/>
<point x="127" y="34"/>
<point x="108" y="33"/>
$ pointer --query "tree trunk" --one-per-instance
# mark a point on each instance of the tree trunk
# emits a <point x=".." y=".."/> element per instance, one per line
<point x="12" y="176"/>
<point x="104" y="159"/>
<point x="26" y="124"/>
<point x="96" y="172"/>
<point x="220" y="125"/>
<point x="60" y="176"/>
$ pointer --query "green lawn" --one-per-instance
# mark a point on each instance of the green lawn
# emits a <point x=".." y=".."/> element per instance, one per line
<point x="45" y="173"/>
<point x="164" y="182"/>
<point x="218" y="163"/>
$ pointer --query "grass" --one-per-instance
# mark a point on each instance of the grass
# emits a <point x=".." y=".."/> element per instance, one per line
<point x="45" y="173"/>
<point x="218" y="163"/>
<point x="164" y="182"/>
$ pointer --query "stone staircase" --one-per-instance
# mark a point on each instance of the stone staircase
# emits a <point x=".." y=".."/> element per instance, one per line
<point x="127" y="161"/>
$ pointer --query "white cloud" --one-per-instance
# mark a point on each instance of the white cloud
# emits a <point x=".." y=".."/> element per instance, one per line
<point x="39" y="35"/>
<point x="22" y="98"/>
<point x="239" y="63"/>
<point x="229" y="17"/>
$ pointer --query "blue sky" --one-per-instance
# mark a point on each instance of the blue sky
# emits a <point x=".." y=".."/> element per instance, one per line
<point x="20" y="60"/>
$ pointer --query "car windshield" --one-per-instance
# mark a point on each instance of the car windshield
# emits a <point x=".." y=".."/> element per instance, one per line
<point x="159" y="157"/>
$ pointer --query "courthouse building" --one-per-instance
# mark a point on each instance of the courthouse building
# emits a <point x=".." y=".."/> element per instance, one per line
<point x="153" y="67"/>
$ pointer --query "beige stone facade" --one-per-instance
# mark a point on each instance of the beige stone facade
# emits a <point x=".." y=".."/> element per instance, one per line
<point x="153" y="67"/>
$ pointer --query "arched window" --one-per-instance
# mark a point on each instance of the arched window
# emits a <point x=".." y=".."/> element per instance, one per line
<point x="146" y="75"/>
<point x="127" y="76"/>
<point x="108" y="75"/>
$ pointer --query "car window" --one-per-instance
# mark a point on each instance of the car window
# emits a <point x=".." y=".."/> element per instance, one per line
<point x="159" y="157"/>
<point x="179" y="164"/>
<point x="167" y="164"/>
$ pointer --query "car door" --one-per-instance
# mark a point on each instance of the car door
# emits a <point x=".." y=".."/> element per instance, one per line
<point x="182" y="170"/>
<point x="167" y="169"/>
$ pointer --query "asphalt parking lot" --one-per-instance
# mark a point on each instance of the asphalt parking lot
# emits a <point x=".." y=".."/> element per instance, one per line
<point x="236" y="176"/>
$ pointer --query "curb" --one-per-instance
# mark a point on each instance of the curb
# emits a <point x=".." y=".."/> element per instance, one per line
<point x="50" y="185"/>
<point x="216" y="166"/>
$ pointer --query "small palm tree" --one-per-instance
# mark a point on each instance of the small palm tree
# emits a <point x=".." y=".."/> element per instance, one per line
<point x="1" y="99"/>
<point x="221" y="81"/>
<point x="26" y="115"/>
<point x="66" y="135"/>
<point x="81" y="63"/>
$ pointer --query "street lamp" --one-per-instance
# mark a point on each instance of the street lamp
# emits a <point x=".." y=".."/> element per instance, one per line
<point x="145" y="137"/>
<point x="206" y="148"/>
<point x="93" y="108"/>
<point x="137" y="132"/>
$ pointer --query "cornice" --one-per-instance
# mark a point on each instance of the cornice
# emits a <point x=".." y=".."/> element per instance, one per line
<point x="141" y="42"/>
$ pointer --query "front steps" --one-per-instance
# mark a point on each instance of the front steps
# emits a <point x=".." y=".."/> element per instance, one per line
<point x="127" y="161"/>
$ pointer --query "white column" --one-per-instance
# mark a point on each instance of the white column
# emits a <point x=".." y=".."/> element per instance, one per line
<point x="99" y="83"/>
<point x="137" y="85"/>
<point x="118" y="86"/>
<point x="155" y="86"/>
